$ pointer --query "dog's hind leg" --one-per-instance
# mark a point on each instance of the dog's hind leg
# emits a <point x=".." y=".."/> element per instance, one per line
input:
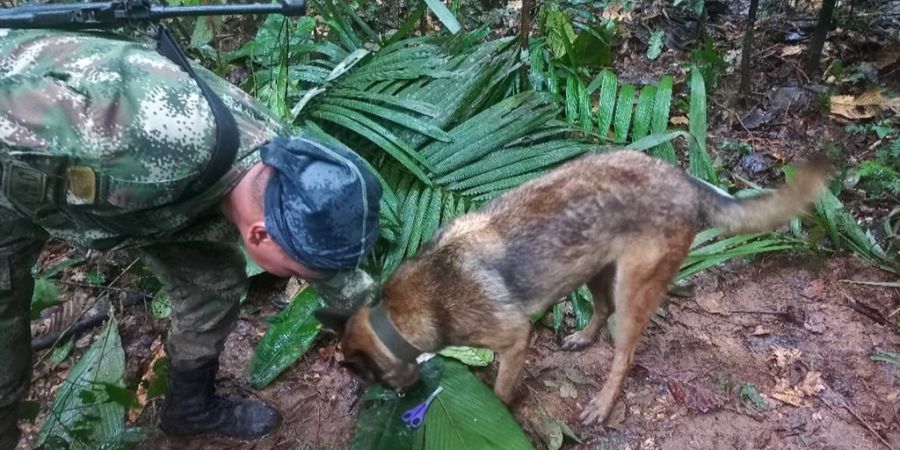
<point x="511" y="356"/>
<point x="641" y="282"/>
<point x="601" y="287"/>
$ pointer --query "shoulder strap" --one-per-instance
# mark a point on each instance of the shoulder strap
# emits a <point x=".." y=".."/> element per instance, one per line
<point x="227" y="135"/>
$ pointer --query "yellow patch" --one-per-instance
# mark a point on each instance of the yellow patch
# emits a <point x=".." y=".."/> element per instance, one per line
<point x="81" y="186"/>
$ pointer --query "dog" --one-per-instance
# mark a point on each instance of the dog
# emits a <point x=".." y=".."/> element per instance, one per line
<point x="621" y="222"/>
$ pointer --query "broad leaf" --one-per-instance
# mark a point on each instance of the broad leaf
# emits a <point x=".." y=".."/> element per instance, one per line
<point x="469" y="355"/>
<point x="45" y="295"/>
<point x="465" y="415"/>
<point x="288" y="337"/>
<point x="100" y="421"/>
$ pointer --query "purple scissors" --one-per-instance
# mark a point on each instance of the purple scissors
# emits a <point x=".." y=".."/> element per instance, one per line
<point x="415" y="416"/>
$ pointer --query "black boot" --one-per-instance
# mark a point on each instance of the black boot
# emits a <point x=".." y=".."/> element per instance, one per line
<point x="191" y="407"/>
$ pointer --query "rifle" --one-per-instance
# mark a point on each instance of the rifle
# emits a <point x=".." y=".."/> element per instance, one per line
<point x="118" y="13"/>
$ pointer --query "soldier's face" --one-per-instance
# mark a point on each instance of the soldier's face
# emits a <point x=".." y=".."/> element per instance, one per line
<point x="273" y="259"/>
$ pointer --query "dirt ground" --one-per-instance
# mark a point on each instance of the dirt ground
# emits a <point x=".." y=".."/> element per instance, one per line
<point x="782" y="324"/>
<point x="780" y="327"/>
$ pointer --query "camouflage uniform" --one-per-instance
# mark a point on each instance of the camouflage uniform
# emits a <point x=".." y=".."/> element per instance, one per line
<point x="98" y="137"/>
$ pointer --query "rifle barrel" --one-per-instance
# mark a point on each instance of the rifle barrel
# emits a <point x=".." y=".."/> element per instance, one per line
<point x="118" y="12"/>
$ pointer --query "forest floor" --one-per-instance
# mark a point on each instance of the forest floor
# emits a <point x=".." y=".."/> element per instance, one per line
<point x="768" y="353"/>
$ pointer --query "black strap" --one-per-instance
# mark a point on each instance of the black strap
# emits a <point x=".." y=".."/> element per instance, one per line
<point x="389" y="336"/>
<point x="227" y="136"/>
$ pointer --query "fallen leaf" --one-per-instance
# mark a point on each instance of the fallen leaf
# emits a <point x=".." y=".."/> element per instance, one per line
<point x="679" y="120"/>
<point x="783" y="358"/>
<point x="761" y="331"/>
<point x="861" y="107"/>
<point x="815" y="322"/>
<point x="798" y="395"/>
<point x="158" y="351"/>
<point x="893" y="104"/>
<point x="812" y="384"/>
<point x="567" y="390"/>
<point x="712" y="303"/>
<point x="792" y="50"/>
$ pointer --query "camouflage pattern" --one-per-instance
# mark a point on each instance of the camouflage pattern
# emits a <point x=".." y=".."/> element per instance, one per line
<point x="122" y="128"/>
<point x="98" y="137"/>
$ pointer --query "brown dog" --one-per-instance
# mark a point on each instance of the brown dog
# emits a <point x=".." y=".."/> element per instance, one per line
<point x="622" y="222"/>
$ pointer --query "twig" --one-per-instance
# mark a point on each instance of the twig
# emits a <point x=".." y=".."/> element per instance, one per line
<point x="860" y="420"/>
<point x="870" y="312"/>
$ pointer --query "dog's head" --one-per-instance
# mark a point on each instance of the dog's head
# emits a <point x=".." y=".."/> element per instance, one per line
<point x="364" y="354"/>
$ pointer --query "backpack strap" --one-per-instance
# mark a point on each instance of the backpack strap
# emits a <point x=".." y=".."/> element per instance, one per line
<point x="227" y="135"/>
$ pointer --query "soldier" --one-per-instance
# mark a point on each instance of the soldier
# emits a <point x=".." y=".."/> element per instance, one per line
<point x="107" y="144"/>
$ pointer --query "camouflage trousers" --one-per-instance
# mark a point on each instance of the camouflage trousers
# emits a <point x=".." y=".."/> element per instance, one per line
<point x="205" y="281"/>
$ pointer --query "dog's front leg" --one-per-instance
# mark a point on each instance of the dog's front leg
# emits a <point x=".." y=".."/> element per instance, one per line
<point x="512" y="362"/>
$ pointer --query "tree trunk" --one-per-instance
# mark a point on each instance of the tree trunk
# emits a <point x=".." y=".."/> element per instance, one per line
<point x="747" y="50"/>
<point x="813" y="71"/>
<point x="524" y="33"/>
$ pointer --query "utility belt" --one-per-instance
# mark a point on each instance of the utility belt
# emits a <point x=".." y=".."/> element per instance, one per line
<point x="41" y="186"/>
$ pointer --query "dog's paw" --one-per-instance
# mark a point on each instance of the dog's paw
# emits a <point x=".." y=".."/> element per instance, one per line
<point x="596" y="412"/>
<point x="576" y="341"/>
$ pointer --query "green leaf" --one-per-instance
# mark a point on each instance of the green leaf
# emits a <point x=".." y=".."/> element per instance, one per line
<point x="655" y="140"/>
<point x="624" y="108"/>
<point x="89" y="425"/>
<point x="286" y="340"/>
<point x="643" y="112"/>
<point x="252" y="268"/>
<point x="465" y="415"/>
<point x="444" y="15"/>
<point x="750" y="394"/>
<point x="583" y="306"/>
<point x="607" y="103"/>
<point x="660" y="120"/>
<point x="156" y="386"/>
<point x="893" y="358"/>
<point x="160" y="307"/>
<point x="203" y="32"/>
<point x="60" y="354"/>
<point x="656" y="44"/>
<point x="96" y="278"/>
<point x="699" y="165"/>
<point x="479" y="357"/>
<point x="559" y="315"/>
<point x="121" y="396"/>
<point x="45" y="295"/>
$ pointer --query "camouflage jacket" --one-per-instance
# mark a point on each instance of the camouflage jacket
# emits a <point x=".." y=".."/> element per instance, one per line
<point x="111" y="132"/>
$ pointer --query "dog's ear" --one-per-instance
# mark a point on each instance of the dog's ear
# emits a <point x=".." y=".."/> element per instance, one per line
<point x="333" y="319"/>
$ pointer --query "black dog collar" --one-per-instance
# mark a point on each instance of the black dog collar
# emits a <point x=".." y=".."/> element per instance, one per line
<point x="389" y="335"/>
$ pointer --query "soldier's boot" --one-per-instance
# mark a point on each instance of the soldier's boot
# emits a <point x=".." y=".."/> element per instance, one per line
<point x="192" y="408"/>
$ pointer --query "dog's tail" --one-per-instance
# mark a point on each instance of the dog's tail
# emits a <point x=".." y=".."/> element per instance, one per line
<point x="766" y="211"/>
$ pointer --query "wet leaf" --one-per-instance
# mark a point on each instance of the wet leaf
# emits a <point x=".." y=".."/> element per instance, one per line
<point x="160" y="307"/>
<point x="96" y="277"/>
<point x="469" y="355"/>
<point x="656" y="44"/>
<point x="60" y="354"/>
<point x="45" y="295"/>
<point x="288" y="337"/>
<point x="81" y="414"/>
<point x="465" y="415"/>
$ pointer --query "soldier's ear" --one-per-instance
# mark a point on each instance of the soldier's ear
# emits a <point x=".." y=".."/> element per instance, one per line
<point x="332" y="319"/>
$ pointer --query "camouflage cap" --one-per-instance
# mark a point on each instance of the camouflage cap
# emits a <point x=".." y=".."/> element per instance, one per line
<point x="321" y="204"/>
